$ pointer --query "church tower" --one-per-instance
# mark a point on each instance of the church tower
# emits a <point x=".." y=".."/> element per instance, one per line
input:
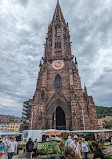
<point x="59" y="101"/>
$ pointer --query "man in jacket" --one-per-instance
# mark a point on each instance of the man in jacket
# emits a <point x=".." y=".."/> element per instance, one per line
<point x="29" y="148"/>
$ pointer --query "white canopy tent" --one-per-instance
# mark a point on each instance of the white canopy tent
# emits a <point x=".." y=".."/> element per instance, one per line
<point x="9" y="133"/>
<point x="51" y="131"/>
<point x="91" y="131"/>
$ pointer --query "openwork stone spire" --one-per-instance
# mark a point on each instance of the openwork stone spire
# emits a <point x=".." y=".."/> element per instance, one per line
<point x="58" y="43"/>
<point x="58" y="15"/>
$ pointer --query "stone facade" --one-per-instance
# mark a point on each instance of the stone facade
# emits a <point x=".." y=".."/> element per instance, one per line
<point x="59" y="100"/>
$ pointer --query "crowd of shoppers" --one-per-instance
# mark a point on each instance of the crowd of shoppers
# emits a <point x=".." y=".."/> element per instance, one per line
<point x="71" y="147"/>
<point x="8" y="148"/>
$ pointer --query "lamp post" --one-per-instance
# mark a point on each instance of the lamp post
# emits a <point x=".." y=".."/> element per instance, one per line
<point x="83" y="118"/>
<point x="31" y="119"/>
<point x="31" y="108"/>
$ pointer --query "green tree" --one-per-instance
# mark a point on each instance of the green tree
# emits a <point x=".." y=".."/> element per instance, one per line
<point x="107" y="124"/>
<point x="103" y="111"/>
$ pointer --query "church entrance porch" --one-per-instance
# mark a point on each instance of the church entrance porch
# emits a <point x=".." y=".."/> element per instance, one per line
<point x="58" y="115"/>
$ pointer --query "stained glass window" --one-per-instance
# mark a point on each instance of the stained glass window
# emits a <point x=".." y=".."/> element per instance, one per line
<point x="58" y="81"/>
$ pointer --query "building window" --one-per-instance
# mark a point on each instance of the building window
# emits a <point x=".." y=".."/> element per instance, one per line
<point x="50" y="42"/>
<point x="58" y="30"/>
<point x="58" y="82"/>
<point x="42" y="95"/>
<point x="57" y="45"/>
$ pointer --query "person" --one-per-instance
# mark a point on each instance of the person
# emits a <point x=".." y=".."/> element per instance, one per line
<point x="61" y="145"/>
<point x="98" y="154"/>
<point x="75" y="145"/>
<point x="85" y="148"/>
<point x="47" y="139"/>
<point x="2" y="149"/>
<point x="12" y="147"/>
<point x="71" y="154"/>
<point x="68" y="141"/>
<point x="35" y="148"/>
<point x="6" y="140"/>
<point x="29" y="148"/>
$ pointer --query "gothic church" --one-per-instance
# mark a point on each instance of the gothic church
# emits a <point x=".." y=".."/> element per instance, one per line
<point x="59" y="101"/>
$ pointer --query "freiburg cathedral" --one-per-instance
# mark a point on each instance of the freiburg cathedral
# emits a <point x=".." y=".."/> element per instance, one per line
<point x="59" y="102"/>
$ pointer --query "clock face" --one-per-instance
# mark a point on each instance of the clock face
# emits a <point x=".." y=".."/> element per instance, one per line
<point x="58" y="64"/>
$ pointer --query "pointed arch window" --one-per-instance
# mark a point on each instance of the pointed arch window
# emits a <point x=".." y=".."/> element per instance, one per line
<point x="57" y="31"/>
<point x="42" y="95"/>
<point x="58" y="83"/>
<point x="57" y="45"/>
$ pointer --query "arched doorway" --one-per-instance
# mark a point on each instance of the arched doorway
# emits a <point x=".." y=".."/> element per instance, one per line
<point x="58" y="110"/>
<point x="60" y="119"/>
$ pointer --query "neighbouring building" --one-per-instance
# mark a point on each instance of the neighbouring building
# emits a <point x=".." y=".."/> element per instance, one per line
<point x="14" y="127"/>
<point x="9" y="123"/>
<point x="27" y="110"/>
<point x="26" y="114"/>
<point x="59" y="100"/>
<point x="108" y="118"/>
<point x="4" y="126"/>
<point x="101" y="121"/>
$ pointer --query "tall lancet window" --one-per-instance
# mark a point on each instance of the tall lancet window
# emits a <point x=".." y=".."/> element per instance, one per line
<point x="58" y="31"/>
<point x="42" y="95"/>
<point x="58" y="84"/>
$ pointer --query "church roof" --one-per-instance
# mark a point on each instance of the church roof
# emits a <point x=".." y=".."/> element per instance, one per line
<point x="58" y="15"/>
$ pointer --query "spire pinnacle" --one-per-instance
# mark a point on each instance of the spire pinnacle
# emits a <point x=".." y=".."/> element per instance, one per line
<point x="75" y="60"/>
<point x="85" y="89"/>
<point x="84" y="86"/>
<point x="58" y="15"/>
<point x="57" y="1"/>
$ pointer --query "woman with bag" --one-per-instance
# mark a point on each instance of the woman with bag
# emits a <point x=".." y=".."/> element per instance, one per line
<point x="98" y="154"/>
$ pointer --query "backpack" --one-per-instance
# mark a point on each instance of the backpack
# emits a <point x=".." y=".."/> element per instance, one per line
<point x="30" y="147"/>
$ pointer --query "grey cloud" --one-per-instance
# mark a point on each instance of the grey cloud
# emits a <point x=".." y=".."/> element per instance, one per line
<point x="22" y="2"/>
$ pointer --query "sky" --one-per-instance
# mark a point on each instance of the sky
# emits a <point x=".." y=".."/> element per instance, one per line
<point x="23" y="28"/>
